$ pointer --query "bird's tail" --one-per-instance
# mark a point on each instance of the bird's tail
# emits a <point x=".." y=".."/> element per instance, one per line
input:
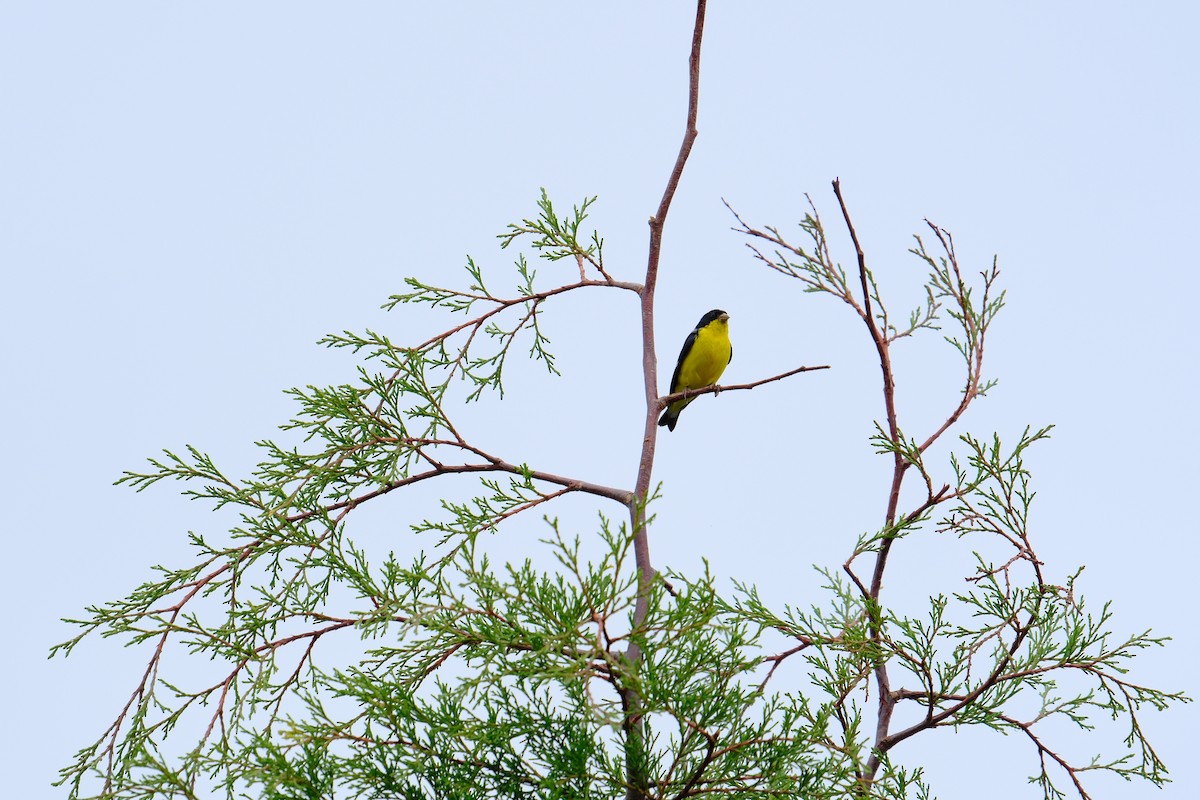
<point x="670" y="416"/>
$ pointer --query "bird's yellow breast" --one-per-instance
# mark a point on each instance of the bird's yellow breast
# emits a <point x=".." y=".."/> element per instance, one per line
<point x="707" y="360"/>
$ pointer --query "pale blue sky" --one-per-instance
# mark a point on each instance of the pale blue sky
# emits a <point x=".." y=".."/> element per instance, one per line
<point x="192" y="194"/>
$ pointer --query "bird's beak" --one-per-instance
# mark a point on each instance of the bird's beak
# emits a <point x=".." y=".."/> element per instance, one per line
<point x="724" y="318"/>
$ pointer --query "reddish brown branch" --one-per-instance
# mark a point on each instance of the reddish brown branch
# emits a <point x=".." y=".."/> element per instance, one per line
<point x="491" y="464"/>
<point x="638" y="781"/>
<point x="933" y="720"/>
<point x="779" y="658"/>
<point x="885" y="703"/>
<point x="710" y="752"/>
<point x="641" y="490"/>
<point x="1044" y="751"/>
<point x="733" y="387"/>
<point x="900" y="465"/>
<point x="503" y="303"/>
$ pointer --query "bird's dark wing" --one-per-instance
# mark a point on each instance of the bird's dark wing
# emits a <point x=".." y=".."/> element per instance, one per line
<point x="683" y="354"/>
<point x="730" y="361"/>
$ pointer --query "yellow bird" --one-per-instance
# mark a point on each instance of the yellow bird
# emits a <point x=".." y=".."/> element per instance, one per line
<point x="705" y="353"/>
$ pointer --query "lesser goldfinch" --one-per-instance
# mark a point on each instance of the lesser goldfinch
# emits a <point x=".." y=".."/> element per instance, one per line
<point x="705" y="353"/>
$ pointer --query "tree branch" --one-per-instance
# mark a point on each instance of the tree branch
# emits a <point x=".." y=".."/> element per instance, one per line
<point x="492" y="464"/>
<point x="733" y="387"/>
<point x="638" y="780"/>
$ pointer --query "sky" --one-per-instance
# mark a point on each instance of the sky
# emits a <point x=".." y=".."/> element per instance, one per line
<point x="193" y="194"/>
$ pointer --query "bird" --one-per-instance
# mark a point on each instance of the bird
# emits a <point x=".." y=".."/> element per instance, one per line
<point x="705" y="353"/>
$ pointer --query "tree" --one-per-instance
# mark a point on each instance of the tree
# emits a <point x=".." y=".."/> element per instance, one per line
<point x="598" y="676"/>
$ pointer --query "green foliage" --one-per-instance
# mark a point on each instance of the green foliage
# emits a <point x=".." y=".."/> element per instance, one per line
<point x="335" y="669"/>
<point x="558" y="238"/>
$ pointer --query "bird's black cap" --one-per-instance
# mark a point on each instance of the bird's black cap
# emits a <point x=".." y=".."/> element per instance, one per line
<point x="710" y="317"/>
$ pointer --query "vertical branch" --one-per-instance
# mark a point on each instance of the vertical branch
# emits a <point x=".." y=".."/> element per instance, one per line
<point x="649" y="360"/>
<point x="975" y="328"/>
<point x="882" y="348"/>
<point x="635" y="760"/>
<point x="886" y="701"/>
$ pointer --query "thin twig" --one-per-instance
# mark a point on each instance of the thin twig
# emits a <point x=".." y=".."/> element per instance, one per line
<point x="733" y="387"/>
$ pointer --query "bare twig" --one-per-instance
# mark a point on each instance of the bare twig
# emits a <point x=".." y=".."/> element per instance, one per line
<point x="733" y="387"/>
<point x="779" y="658"/>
